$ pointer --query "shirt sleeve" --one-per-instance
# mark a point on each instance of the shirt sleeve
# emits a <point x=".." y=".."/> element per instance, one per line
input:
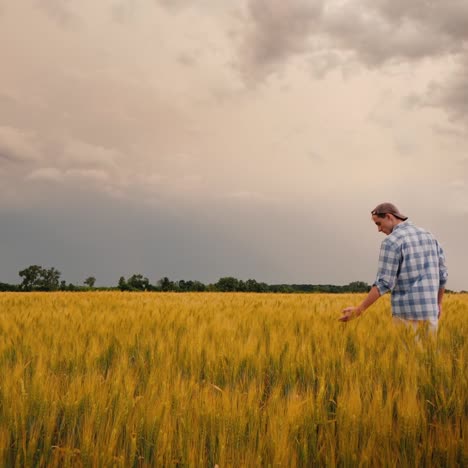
<point x="389" y="264"/>
<point x="443" y="272"/>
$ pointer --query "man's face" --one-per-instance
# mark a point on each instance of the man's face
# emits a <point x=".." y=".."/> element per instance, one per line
<point x="384" y="225"/>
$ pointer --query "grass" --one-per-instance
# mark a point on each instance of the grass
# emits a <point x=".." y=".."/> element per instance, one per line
<point x="166" y="379"/>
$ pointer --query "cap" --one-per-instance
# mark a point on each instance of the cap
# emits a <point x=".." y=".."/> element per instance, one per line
<point x="390" y="208"/>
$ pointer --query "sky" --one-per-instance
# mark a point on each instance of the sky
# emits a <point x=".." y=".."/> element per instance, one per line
<point x="211" y="138"/>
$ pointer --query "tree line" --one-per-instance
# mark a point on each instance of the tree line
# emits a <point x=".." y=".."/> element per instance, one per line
<point x="38" y="278"/>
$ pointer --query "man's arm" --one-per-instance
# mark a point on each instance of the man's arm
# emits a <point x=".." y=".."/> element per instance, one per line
<point x="440" y="296"/>
<point x="353" y="312"/>
<point x="443" y="275"/>
<point x="389" y="262"/>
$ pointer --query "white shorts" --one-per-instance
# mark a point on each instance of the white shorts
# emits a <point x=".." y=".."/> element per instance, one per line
<point x="433" y="323"/>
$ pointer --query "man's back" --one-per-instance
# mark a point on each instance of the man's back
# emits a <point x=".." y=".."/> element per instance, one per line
<point x="412" y="265"/>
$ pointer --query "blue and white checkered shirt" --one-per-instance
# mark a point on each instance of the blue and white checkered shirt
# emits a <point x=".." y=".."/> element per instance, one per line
<point x="412" y="267"/>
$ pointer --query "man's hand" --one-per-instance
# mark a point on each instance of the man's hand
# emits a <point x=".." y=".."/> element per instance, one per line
<point x="350" y="313"/>
<point x="440" y="311"/>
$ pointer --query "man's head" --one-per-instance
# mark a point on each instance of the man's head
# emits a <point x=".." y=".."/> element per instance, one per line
<point x="386" y="216"/>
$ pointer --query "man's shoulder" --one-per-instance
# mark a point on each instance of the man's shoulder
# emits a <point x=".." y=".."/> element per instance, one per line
<point x="401" y="232"/>
<point x="390" y="242"/>
<point x="412" y="228"/>
<point x="408" y="231"/>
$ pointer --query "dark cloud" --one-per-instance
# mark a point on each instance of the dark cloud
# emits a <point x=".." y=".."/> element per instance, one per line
<point x="373" y="32"/>
<point x="375" y="38"/>
<point x="278" y="29"/>
<point x="376" y="31"/>
<point x="450" y="95"/>
<point x="85" y="234"/>
<point x="445" y="17"/>
<point x="453" y="94"/>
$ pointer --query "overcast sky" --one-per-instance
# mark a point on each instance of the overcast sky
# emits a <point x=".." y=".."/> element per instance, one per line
<point x="247" y="138"/>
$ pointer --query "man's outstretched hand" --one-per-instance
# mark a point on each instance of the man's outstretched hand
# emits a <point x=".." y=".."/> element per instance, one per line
<point x="350" y="313"/>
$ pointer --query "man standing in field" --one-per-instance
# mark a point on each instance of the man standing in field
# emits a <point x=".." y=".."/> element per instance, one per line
<point x="411" y="266"/>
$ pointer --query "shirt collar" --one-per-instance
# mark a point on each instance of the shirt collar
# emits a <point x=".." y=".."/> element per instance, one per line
<point x="399" y="225"/>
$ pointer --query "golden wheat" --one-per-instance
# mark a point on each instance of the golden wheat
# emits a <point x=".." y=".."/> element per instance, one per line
<point x="166" y="379"/>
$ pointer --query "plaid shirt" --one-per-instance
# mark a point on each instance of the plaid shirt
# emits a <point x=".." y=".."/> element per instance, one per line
<point x="412" y="267"/>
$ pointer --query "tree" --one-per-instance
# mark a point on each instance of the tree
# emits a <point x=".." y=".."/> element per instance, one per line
<point x="165" y="284"/>
<point x="358" y="286"/>
<point x="252" y="285"/>
<point x="30" y="277"/>
<point x="90" y="281"/>
<point x="138" y="282"/>
<point x="227" y="284"/>
<point x="189" y="286"/>
<point x="197" y="286"/>
<point x="36" y="278"/>
<point x="184" y="285"/>
<point x="123" y="286"/>
<point x="50" y="280"/>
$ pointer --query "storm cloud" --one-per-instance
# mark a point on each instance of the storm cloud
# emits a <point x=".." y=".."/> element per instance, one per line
<point x="259" y="134"/>
<point x="375" y="31"/>
<point x="330" y="34"/>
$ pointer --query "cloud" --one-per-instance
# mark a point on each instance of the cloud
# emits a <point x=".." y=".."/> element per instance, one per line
<point x="17" y="146"/>
<point x="315" y="156"/>
<point x="88" y="174"/>
<point x="439" y="29"/>
<point x="187" y="59"/>
<point x="174" y="4"/>
<point x="177" y="5"/>
<point x="376" y="39"/>
<point x="449" y="94"/>
<point x="277" y="30"/>
<point x="376" y="31"/>
<point x="123" y="11"/>
<point x="452" y="94"/>
<point x="7" y="98"/>
<point x="449" y="132"/>
<point x="372" y="33"/>
<point x="46" y="174"/>
<point x="405" y="145"/>
<point x="60" y="11"/>
<point x="247" y="196"/>
<point x="80" y="153"/>
<point x="449" y="17"/>
<point x="457" y="194"/>
<point x="96" y="115"/>
<point x="54" y="174"/>
<point x="458" y="184"/>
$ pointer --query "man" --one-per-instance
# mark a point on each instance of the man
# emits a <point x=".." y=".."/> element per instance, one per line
<point x="411" y="266"/>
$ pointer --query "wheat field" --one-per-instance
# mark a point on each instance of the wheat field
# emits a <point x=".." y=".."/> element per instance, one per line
<point x="204" y="379"/>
